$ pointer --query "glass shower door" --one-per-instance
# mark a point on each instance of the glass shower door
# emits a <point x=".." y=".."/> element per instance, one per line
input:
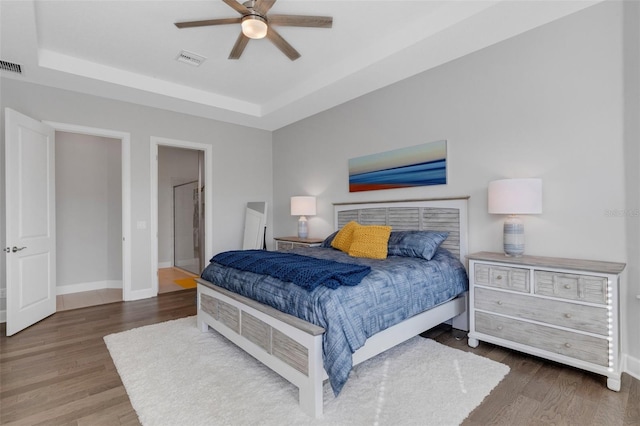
<point x="186" y="227"/>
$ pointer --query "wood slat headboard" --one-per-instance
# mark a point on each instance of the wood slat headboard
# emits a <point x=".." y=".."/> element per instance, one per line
<point x="442" y="214"/>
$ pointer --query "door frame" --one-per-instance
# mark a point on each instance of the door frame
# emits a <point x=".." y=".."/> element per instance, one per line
<point x="125" y="144"/>
<point x="157" y="141"/>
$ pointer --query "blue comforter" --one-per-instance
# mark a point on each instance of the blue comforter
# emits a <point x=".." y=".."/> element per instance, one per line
<point x="307" y="272"/>
<point x="396" y="289"/>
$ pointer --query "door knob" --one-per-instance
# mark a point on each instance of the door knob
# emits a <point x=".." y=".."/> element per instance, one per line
<point x="15" y="249"/>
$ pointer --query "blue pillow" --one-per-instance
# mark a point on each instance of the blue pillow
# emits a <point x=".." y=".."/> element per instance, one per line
<point x="327" y="241"/>
<point x="421" y="244"/>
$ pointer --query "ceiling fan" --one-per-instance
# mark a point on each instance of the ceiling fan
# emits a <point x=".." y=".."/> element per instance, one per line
<point x="256" y="24"/>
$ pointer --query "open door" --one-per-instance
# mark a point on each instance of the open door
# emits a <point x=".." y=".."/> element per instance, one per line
<point x="255" y="221"/>
<point x="30" y="221"/>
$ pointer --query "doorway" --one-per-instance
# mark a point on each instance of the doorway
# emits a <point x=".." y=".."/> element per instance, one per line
<point x="31" y="215"/>
<point x="32" y="196"/>
<point x="180" y="217"/>
<point x="121" y="281"/>
<point x="88" y="187"/>
<point x="181" y="223"/>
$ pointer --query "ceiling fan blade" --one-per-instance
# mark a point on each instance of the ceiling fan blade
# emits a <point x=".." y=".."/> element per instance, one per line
<point x="282" y="44"/>
<point x="301" y="21"/>
<point x="205" y="23"/>
<point x="240" y="8"/>
<point x="238" y="48"/>
<point x="263" y="6"/>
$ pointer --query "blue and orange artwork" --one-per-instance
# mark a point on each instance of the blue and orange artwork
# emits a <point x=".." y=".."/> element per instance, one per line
<point x="418" y="165"/>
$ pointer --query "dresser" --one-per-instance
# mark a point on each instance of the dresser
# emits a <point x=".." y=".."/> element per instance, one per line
<point x="289" y="243"/>
<point x="565" y="310"/>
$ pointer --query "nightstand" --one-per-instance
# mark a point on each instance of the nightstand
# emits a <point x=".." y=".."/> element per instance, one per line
<point x="565" y="310"/>
<point x="289" y="243"/>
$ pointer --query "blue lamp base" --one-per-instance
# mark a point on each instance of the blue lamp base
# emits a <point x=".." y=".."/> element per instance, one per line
<point x="513" y="236"/>
<point x="303" y="230"/>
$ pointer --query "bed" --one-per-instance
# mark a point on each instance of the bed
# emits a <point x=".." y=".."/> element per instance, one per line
<point x="293" y="346"/>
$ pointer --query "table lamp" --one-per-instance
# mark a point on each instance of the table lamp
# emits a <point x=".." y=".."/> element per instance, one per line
<point x="303" y="206"/>
<point x="514" y="197"/>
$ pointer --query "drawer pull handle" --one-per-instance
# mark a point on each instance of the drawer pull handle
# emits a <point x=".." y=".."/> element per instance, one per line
<point x="499" y="327"/>
<point x="567" y="315"/>
<point x="499" y="277"/>
<point x="499" y="302"/>
<point x="567" y="286"/>
<point x="567" y="345"/>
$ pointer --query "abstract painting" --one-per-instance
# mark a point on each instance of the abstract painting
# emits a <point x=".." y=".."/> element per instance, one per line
<point x="419" y="165"/>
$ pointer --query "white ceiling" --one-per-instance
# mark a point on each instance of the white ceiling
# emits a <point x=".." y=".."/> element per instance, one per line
<point x="127" y="50"/>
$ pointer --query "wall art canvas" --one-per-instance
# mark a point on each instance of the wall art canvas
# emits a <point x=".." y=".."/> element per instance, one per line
<point x="418" y="165"/>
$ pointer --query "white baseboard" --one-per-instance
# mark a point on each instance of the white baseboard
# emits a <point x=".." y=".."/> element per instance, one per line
<point x="165" y="264"/>
<point x="139" y="294"/>
<point x="80" y="287"/>
<point x="631" y="366"/>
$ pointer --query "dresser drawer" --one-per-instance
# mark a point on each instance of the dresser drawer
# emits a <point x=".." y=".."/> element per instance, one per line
<point x="285" y="245"/>
<point x="516" y="279"/>
<point x="290" y="243"/>
<point x="570" y="315"/>
<point x="574" y="345"/>
<point x="585" y="288"/>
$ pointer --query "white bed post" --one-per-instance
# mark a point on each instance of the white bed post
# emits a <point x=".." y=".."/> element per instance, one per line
<point x="310" y="394"/>
<point x="461" y="322"/>
<point x="202" y="325"/>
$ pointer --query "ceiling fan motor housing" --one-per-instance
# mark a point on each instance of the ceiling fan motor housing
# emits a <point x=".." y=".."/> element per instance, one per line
<point x="249" y="4"/>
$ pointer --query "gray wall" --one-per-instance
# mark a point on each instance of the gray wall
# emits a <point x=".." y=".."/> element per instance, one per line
<point x="241" y="172"/>
<point x="548" y="103"/>
<point x="88" y="209"/>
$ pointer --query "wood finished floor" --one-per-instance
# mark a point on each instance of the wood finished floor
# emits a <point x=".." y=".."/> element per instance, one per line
<point x="59" y="372"/>
<point x="166" y="284"/>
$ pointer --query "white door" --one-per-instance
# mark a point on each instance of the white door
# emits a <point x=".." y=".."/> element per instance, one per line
<point x="30" y="221"/>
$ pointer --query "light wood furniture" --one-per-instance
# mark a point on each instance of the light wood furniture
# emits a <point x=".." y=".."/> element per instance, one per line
<point x="292" y="347"/>
<point x="289" y="243"/>
<point x="565" y="310"/>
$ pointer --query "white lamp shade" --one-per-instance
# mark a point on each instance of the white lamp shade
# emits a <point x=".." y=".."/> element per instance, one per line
<point x="303" y="206"/>
<point x="515" y="196"/>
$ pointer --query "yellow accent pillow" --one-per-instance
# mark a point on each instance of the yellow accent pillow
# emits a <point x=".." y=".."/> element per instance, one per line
<point x="370" y="241"/>
<point x="342" y="240"/>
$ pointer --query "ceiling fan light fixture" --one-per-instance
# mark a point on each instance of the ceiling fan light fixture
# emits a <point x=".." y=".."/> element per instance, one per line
<point x="254" y="26"/>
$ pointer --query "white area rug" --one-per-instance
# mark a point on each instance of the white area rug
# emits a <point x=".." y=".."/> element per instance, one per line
<point x="176" y="375"/>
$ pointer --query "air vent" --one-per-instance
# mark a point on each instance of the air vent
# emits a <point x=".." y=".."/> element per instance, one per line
<point x="10" y="66"/>
<point x="190" y="58"/>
